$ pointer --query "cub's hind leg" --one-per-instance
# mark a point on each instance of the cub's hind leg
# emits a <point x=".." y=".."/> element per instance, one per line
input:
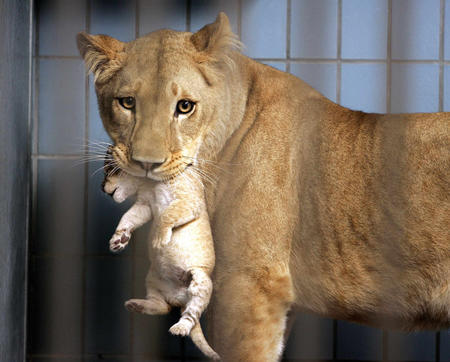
<point x="154" y="303"/>
<point x="199" y="291"/>
<point x="249" y="317"/>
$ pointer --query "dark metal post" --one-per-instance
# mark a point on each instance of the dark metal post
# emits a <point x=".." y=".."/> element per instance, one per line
<point x="14" y="173"/>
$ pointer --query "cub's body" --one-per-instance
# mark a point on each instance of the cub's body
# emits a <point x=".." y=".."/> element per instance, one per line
<point x="181" y="247"/>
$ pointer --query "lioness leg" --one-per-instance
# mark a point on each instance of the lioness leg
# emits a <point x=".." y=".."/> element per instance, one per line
<point x="249" y="318"/>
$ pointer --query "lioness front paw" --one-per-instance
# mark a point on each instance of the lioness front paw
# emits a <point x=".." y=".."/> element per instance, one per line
<point x="181" y="328"/>
<point x="162" y="237"/>
<point x="119" y="240"/>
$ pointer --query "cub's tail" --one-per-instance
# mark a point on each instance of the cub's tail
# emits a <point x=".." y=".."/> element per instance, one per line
<point x="199" y="340"/>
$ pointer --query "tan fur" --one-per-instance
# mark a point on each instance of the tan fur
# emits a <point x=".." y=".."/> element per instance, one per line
<point x="320" y="208"/>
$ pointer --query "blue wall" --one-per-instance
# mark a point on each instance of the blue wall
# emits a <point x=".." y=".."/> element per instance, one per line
<point x="374" y="55"/>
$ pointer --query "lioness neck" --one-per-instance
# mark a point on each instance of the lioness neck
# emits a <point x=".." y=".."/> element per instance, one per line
<point x="253" y="88"/>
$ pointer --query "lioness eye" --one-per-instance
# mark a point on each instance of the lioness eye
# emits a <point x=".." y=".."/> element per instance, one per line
<point x="127" y="102"/>
<point x="184" y="106"/>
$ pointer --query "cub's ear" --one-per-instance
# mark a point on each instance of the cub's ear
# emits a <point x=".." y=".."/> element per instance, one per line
<point x="102" y="54"/>
<point x="215" y="40"/>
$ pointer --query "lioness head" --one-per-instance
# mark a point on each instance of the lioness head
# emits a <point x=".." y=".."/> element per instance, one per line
<point x="160" y="95"/>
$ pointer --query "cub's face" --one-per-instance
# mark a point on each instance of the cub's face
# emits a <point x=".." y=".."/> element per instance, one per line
<point x="158" y="95"/>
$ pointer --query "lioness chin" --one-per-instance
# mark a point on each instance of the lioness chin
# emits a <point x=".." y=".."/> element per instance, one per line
<point x="313" y="206"/>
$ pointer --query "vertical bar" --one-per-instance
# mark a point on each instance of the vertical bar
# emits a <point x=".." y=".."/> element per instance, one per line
<point x="35" y="131"/>
<point x="133" y="246"/>
<point x="438" y="346"/>
<point x="240" y="19"/>
<point x="34" y="141"/>
<point x="338" y="100"/>
<point x="335" y="339"/>
<point x="188" y="15"/>
<point x="389" y="58"/>
<point x="441" y="108"/>
<point x="35" y="120"/>
<point x="86" y="195"/>
<point x="339" y="52"/>
<point x="34" y="128"/>
<point x="288" y="35"/>
<point x="30" y="179"/>
<point x="441" y="56"/>
<point x="136" y="19"/>
<point x="15" y="179"/>
<point x="385" y="345"/>
<point x="188" y="28"/>
<point x="385" y="342"/>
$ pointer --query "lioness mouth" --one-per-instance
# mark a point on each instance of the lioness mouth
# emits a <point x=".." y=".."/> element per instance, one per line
<point x="166" y="176"/>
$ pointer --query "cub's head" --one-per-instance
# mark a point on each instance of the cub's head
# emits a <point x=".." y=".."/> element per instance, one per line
<point x="161" y="95"/>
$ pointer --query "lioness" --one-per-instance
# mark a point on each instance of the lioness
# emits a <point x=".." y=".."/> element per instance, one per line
<point x="316" y="207"/>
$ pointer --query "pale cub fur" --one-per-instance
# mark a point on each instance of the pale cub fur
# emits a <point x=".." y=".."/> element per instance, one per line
<point x="180" y="245"/>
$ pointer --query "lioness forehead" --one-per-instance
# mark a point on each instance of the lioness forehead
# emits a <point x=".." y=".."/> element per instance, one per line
<point x="162" y="60"/>
<point x="160" y="48"/>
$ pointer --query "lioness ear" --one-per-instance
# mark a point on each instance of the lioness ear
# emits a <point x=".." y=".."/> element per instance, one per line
<point x="102" y="54"/>
<point x="216" y="38"/>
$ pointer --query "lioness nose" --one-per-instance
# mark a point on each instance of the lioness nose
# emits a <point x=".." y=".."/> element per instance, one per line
<point x="148" y="163"/>
<point x="147" y="166"/>
<point x="154" y="165"/>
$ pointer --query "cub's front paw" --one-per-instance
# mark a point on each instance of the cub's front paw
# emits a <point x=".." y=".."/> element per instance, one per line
<point x="162" y="237"/>
<point x="182" y="328"/>
<point x="111" y="185"/>
<point x="119" y="240"/>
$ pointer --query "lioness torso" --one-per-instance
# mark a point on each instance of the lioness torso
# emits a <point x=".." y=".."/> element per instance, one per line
<point x="365" y="221"/>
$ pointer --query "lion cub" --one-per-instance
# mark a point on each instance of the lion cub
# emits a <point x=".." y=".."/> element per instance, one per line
<point x="180" y="247"/>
